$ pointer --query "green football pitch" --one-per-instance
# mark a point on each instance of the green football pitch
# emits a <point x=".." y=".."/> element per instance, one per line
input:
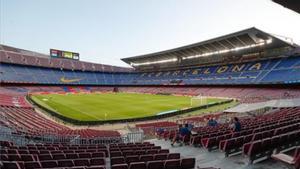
<point x="112" y="106"/>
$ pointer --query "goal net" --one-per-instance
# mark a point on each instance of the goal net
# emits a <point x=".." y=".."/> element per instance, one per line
<point x="198" y="101"/>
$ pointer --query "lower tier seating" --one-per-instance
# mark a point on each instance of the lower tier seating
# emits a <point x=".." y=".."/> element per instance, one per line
<point x="129" y="156"/>
<point x="260" y="137"/>
<point x="147" y="156"/>
<point x="32" y="124"/>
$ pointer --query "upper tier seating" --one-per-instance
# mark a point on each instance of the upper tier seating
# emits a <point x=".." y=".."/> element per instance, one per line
<point x="60" y="71"/>
<point x="18" y="56"/>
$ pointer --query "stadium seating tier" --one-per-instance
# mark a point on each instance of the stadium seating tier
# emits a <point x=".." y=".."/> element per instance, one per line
<point x="259" y="72"/>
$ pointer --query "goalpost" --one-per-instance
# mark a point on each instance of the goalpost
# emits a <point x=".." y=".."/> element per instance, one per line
<point x="198" y="100"/>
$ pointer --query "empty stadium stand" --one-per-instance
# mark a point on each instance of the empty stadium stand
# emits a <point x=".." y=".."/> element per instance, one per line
<point x="138" y="155"/>
<point x="248" y="66"/>
<point x="264" y="72"/>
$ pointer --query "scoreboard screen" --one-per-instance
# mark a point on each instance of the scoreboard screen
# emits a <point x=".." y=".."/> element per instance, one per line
<point x="54" y="53"/>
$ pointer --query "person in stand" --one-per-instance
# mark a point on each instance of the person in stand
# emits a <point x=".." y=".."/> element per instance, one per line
<point x="212" y="122"/>
<point x="236" y="127"/>
<point x="209" y="123"/>
<point x="215" y="121"/>
<point x="190" y="126"/>
<point x="183" y="131"/>
<point x="160" y="131"/>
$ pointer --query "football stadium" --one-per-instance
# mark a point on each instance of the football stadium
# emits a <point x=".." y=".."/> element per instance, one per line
<point x="226" y="102"/>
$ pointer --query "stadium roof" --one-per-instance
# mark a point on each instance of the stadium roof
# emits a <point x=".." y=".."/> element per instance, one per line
<point x="291" y="4"/>
<point x="239" y="42"/>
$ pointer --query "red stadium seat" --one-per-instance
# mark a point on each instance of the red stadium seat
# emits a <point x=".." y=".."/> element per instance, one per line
<point x="4" y="157"/>
<point x="119" y="166"/>
<point x="32" y="165"/>
<point x="160" y="156"/>
<point x="173" y="156"/>
<point x="155" y="164"/>
<point x="81" y="162"/>
<point x="115" y="154"/>
<point x="58" y="156"/>
<point x="49" y="164"/>
<point x="95" y="167"/>
<point x="98" y="154"/>
<point x="138" y="165"/>
<point x="130" y="159"/>
<point x="164" y="151"/>
<point x="14" y="157"/>
<point x="72" y="156"/>
<point x="188" y="163"/>
<point x="11" y="165"/>
<point x="172" y="164"/>
<point x="117" y="160"/>
<point x="140" y="152"/>
<point x="97" y="161"/>
<point x="44" y="157"/>
<point x="27" y="157"/>
<point x="84" y="155"/>
<point x="146" y="158"/>
<point x="65" y="163"/>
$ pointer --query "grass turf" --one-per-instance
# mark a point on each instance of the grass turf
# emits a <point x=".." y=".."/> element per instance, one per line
<point x="111" y="106"/>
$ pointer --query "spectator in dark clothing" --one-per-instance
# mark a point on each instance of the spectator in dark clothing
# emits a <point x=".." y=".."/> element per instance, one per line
<point x="190" y="126"/>
<point x="160" y="131"/>
<point x="212" y="122"/>
<point x="183" y="131"/>
<point x="237" y="127"/>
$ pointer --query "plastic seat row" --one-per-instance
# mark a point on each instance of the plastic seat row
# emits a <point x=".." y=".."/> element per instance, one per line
<point x="59" y="147"/>
<point x="234" y="145"/>
<point x="137" y="152"/>
<point x="144" y="158"/>
<point x="224" y="142"/>
<point x="88" y="146"/>
<point x="51" y="148"/>
<point x="212" y="141"/>
<point x="6" y="143"/>
<point x="38" y="152"/>
<point x="264" y="148"/>
<point x="186" y="163"/>
<point x="135" y="148"/>
<point x="53" y="163"/>
<point x="131" y="146"/>
<point x="43" y="157"/>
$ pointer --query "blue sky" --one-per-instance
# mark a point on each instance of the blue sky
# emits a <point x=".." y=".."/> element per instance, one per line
<point x="103" y="31"/>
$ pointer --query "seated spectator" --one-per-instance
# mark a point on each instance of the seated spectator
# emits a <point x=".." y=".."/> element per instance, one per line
<point x="236" y="127"/>
<point x="160" y="131"/>
<point x="183" y="131"/>
<point x="190" y="126"/>
<point x="212" y="122"/>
